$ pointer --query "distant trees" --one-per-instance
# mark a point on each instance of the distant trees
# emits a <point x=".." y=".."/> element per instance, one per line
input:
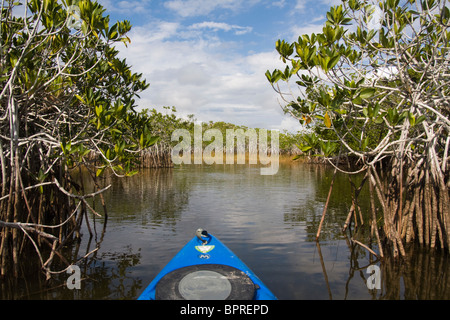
<point x="66" y="101"/>
<point x="374" y="86"/>
<point x="164" y="123"/>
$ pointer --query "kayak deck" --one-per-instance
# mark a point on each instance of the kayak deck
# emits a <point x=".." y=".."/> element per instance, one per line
<point x="205" y="269"/>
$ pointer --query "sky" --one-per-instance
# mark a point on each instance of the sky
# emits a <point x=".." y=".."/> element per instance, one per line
<point x="209" y="57"/>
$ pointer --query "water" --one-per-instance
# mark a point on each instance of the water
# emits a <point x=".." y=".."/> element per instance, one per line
<point x="270" y="222"/>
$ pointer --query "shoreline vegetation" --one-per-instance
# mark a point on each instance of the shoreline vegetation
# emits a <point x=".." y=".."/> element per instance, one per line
<point x="164" y="124"/>
<point x="374" y="85"/>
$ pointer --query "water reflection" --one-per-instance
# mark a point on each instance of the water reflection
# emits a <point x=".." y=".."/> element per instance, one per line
<point x="103" y="276"/>
<point x="109" y="276"/>
<point x="152" y="197"/>
<point x="425" y="276"/>
<point x="268" y="221"/>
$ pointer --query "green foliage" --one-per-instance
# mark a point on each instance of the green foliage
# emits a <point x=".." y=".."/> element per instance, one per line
<point x="76" y="67"/>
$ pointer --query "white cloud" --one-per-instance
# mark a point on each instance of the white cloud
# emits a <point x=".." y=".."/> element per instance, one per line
<point x="388" y="73"/>
<point x="203" y="77"/>
<point x="164" y="30"/>
<point x="190" y="8"/>
<point x="332" y="3"/>
<point x="126" y="7"/>
<point x="215" y="26"/>
<point x="300" y="4"/>
<point x="297" y="31"/>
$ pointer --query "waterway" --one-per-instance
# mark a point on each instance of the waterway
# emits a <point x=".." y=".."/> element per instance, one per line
<point x="270" y="222"/>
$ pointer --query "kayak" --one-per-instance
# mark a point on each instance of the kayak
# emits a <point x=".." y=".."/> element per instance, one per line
<point x="205" y="269"/>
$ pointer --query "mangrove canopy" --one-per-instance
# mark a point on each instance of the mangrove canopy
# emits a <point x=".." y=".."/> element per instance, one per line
<point x="373" y="86"/>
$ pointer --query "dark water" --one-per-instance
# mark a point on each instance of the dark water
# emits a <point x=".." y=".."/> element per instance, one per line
<point x="270" y="222"/>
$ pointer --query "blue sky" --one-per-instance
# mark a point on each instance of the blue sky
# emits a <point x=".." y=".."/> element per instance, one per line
<point x="208" y="57"/>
